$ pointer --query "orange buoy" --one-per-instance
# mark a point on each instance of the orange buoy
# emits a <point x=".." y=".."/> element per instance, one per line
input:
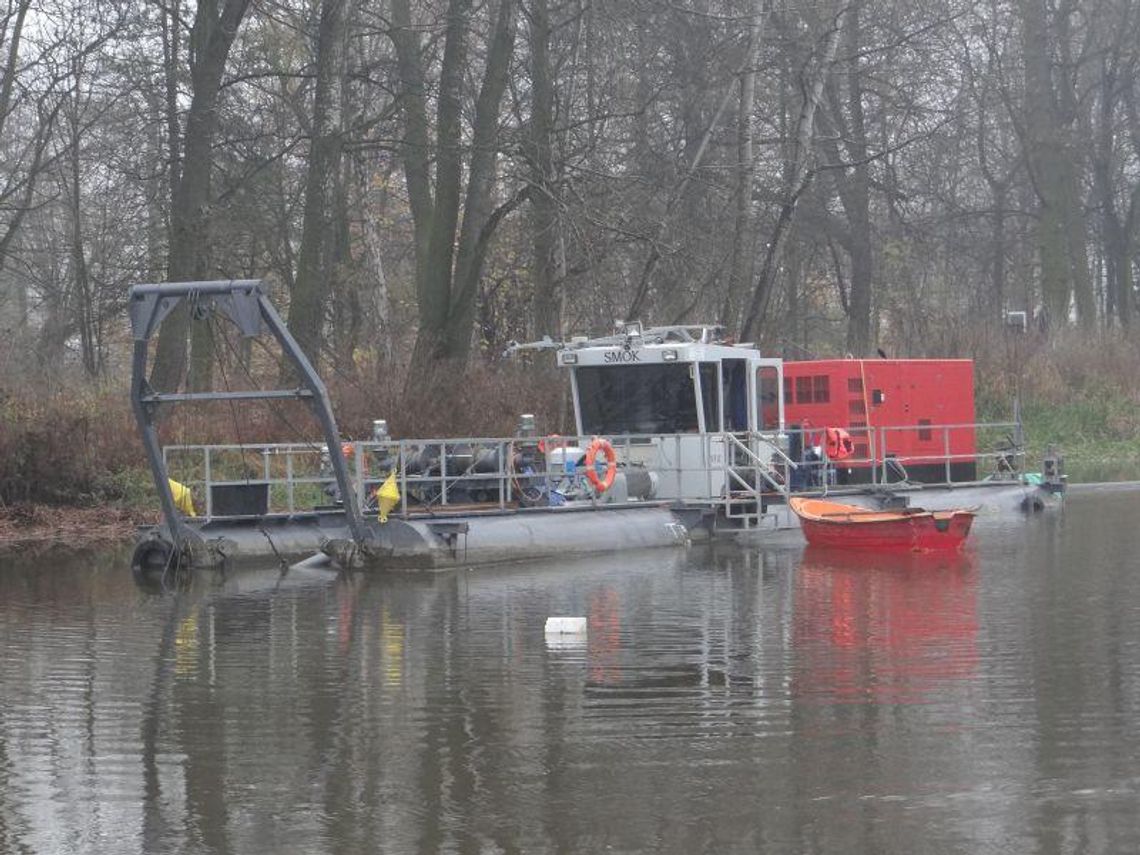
<point x="601" y="483"/>
<point x="839" y="444"/>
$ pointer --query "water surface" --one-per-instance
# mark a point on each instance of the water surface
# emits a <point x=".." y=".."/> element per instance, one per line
<point x="728" y="699"/>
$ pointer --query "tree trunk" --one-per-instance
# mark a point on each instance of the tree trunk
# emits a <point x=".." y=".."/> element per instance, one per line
<point x="210" y="40"/>
<point x="544" y="200"/>
<point x="83" y="302"/>
<point x="479" y="219"/>
<point x="742" y="262"/>
<point x="14" y="197"/>
<point x="447" y="279"/>
<point x="317" y="264"/>
<point x="799" y="175"/>
<point x="1060" y="226"/>
<point x="854" y="187"/>
<point x="415" y="146"/>
<point x="434" y="282"/>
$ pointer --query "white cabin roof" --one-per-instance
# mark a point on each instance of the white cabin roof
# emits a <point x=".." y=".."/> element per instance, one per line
<point x="633" y="345"/>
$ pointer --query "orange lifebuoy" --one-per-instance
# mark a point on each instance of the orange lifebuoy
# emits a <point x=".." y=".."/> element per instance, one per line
<point x="839" y="444"/>
<point x="601" y="484"/>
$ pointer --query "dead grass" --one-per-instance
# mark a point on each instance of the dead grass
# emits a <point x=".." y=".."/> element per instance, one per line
<point x="27" y="527"/>
<point x="78" y="446"/>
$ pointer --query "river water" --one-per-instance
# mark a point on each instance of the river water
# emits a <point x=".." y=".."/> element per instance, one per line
<point x="736" y="699"/>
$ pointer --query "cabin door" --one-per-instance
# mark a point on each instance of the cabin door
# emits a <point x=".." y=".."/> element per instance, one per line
<point x="734" y="393"/>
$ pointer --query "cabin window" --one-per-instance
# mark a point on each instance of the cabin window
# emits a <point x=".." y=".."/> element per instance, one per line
<point x="803" y="390"/>
<point x="877" y="397"/>
<point x="820" y="389"/>
<point x="789" y="398"/>
<point x="767" y="388"/>
<point x="925" y="434"/>
<point x="637" y="399"/>
<point x="710" y="396"/>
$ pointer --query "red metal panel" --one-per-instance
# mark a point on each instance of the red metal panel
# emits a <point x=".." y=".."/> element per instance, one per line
<point x="870" y="395"/>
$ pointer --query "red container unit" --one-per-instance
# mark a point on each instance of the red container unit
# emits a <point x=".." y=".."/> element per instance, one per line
<point x="919" y="412"/>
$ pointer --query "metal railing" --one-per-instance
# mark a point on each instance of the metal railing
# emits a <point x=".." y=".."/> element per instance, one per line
<point x="472" y="473"/>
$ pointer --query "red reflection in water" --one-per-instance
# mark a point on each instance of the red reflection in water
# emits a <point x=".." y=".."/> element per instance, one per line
<point x="883" y="627"/>
<point x="604" y="638"/>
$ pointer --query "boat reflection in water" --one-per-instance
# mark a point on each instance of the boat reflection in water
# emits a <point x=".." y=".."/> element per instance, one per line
<point x="883" y="627"/>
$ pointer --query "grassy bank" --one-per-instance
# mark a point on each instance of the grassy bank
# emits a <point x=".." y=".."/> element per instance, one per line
<point x="35" y="527"/>
<point x="1081" y="396"/>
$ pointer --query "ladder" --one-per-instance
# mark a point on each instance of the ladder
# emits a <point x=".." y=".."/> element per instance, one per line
<point x="748" y="477"/>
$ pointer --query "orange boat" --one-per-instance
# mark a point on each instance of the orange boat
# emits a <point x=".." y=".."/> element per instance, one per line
<point x="834" y="524"/>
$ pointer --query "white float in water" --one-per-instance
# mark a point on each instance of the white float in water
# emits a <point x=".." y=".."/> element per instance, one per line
<point x="560" y="626"/>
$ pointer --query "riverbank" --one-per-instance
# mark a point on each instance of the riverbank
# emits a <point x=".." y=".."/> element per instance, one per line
<point x="32" y="528"/>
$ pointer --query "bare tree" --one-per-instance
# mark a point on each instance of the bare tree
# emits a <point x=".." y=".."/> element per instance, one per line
<point x="450" y="254"/>
<point x="325" y="220"/>
<point x="210" y="39"/>
<point x="800" y="172"/>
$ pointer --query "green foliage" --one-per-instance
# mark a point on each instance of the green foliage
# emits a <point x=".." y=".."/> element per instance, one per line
<point x="1078" y="394"/>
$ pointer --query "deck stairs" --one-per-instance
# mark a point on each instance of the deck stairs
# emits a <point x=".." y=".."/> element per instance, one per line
<point x="752" y="482"/>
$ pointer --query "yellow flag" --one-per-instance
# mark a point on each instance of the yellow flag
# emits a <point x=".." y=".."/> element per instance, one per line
<point x="182" y="498"/>
<point x="387" y="496"/>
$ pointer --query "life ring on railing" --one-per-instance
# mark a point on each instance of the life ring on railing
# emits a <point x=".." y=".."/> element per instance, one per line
<point x="601" y="483"/>
<point x="839" y="444"/>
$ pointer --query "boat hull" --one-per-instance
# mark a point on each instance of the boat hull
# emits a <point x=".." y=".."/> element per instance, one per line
<point x="839" y="526"/>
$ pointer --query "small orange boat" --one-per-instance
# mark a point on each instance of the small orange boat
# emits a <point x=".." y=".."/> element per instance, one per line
<point x="835" y="524"/>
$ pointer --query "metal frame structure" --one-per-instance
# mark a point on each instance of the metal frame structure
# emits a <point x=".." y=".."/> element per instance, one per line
<point x="245" y="303"/>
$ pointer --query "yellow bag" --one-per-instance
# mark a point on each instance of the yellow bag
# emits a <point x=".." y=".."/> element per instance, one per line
<point x="183" y="500"/>
<point x="387" y="496"/>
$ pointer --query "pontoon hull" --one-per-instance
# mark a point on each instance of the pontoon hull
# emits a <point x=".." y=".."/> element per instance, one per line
<point x="468" y="540"/>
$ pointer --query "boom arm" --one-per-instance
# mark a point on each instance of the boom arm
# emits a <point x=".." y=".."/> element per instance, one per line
<point x="244" y="302"/>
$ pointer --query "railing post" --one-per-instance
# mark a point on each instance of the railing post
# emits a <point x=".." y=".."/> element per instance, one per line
<point x="873" y="451"/>
<point x="208" y="474"/>
<point x="946" y="450"/>
<point x="289" y="480"/>
<point x="402" y="462"/>
<point x="677" y="461"/>
<point x="883" y="455"/>
<point x="507" y="463"/>
<point x="501" y="474"/>
<point x="358" y="483"/>
<point x="443" y="472"/>
<point x="706" y="462"/>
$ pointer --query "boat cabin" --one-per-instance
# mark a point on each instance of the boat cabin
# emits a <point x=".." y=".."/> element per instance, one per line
<point x="689" y="380"/>
<point x="672" y="380"/>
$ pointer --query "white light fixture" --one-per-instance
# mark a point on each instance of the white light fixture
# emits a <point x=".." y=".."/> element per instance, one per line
<point x="569" y="359"/>
<point x="668" y="356"/>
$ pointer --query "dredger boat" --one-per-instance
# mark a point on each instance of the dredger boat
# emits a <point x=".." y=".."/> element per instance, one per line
<point x="680" y="435"/>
